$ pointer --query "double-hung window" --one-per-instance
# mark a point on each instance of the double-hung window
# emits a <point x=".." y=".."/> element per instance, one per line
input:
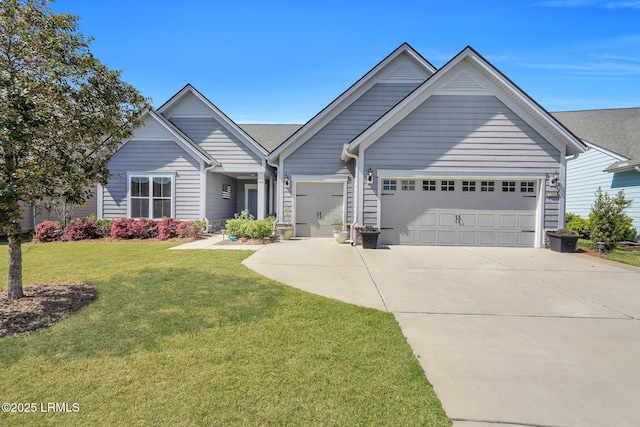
<point x="151" y="196"/>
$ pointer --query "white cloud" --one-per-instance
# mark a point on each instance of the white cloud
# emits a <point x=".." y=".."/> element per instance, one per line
<point x="633" y="4"/>
<point x="623" y="5"/>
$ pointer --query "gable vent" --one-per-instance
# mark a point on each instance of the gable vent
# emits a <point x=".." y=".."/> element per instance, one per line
<point x="403" y="74"/>
<point x="464" y="83"/>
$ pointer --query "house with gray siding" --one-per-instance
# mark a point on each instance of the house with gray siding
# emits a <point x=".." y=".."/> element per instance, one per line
<point x="455" y="156"/>
<point x="612" y="159"/>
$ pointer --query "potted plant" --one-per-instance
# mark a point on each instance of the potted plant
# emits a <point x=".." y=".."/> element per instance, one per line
<point x="285" y="231"/>
<point x="369" y="237"/>
<point x="562" y="240"/>
<point x="338" y="230"/>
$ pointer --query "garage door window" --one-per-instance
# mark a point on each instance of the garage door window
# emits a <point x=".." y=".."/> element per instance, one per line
<point x="508" y="186"/>
<point x="448" y="186"/>
<point x="389" y="184"/>
<point x="527" y="187"/>
<point x="428" y="185"/>
<point x="468" y="186"/>
<point x="487" y="186"/>
<point x="408" y="185"/>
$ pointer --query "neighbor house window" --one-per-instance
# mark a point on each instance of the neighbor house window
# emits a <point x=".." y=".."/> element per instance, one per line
<point x="509" y="186"/>
<point x="389" y="184"/>
<point x="487" y="186"/>
<point x="527" y="187"/>
<point x="151" y="196"/>
<point x="429" y="185"/>
<point x="408" y="185"/>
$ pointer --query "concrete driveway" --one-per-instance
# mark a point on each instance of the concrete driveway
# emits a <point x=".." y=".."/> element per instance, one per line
<point x="507" y="337"/>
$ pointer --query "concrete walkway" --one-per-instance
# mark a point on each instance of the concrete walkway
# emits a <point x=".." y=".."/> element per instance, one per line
<point x="507" y="337"/>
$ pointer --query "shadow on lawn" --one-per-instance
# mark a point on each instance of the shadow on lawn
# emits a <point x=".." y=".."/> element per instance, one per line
<point x="144" y="310"/>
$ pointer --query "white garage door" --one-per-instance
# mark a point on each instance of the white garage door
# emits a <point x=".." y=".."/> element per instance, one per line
<point x="458" y="212"/>
<point x="317" y="204"/>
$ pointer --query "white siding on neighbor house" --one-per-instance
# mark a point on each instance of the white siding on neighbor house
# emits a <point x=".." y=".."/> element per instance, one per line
<point x="217" y="207"/>
<point x="584" y="176"/>
<point x="147" y="157"/>
<point x="320" y="155"/>
<point x="219" y="142"/>
<point x="462" y="133"/>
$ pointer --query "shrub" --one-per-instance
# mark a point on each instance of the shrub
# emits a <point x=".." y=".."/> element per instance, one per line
<point x="82" y="229"/>
<point x="123" y="228"/>
<point x="47" y="231"/>
<point x="145" y="228"/>
<point x="167" y="228"/>
<point x="244" y="225"/>
<point x="189" y="230"/>
<point x="201" y="223"/>
<point x="103" y="223"/>
<point x="578" y="225"/>
<point x="609" y="223"/>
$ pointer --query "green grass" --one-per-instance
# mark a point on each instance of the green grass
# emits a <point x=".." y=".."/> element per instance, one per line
<point x="195" y="338"/>
<point x="619" y="255"/>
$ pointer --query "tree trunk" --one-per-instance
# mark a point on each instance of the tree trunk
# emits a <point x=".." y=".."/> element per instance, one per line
<point x="14" y="233"/>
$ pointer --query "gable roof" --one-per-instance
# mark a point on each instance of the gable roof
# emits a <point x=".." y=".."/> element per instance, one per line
<point x="179" y="137"/>
<point x="508" y="92"/>
<point x="417" y="68"/>
<point x="614" y="130"/>
<point x="218" y="115"/>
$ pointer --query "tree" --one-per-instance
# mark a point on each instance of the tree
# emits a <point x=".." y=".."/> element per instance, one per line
<point x="62" y="116"/>
<point x="609" y="223"/>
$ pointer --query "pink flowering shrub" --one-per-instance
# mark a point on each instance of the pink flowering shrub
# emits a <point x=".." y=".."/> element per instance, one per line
<point x="82" y="229"/>
<point x="47" y="231"/>
<point x="168" y="228"/>
<point x="189" y="230"/>
<point x="145" y="229"/>
<point x="123" y="228"/>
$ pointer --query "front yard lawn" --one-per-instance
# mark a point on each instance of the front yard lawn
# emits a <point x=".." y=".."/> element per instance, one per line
<point x="195" y="338"/>
<point x="624" y="256"/>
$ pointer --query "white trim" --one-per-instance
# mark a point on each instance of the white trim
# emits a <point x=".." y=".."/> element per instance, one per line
<point x="616" y="156"/>
<point x="426" y="173"/>
<point x="203" y="191"/>
<point x="100" y="201"/>
<point x="540" y="212"/>
<point x="152" y="175"/>
<point x="248" y="187"/>
<point x="562" y="189"/>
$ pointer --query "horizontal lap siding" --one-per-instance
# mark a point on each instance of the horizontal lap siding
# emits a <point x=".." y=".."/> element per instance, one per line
<point x="320" y="155"/>
<point x="218" y="141"/>
<point x="454" y="134"/>
<point x="149" y="157"/>
<point x="584" y="176"/>
<point x="217" y="207"/>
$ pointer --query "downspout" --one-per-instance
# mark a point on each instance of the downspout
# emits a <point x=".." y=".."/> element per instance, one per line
<point x="204" y="184"/>
<point x="354" y="224"/>
<point x="276" y="199"/>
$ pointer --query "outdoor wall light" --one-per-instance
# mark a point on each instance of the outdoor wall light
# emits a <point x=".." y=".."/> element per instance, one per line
<point x="286" y="180"/>
<point x="554" y="179"/>
<point x="370" y="176"/>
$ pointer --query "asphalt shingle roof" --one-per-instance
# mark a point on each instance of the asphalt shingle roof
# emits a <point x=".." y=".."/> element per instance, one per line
<point x="617" y="130"/>
<point x="269" y="136"/>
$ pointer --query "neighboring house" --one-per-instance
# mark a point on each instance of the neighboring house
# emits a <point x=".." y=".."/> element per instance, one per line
<point x="455" y="156"/>
<point x="612" y="161"/>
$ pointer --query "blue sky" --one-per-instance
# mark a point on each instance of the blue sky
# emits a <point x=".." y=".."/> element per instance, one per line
<point x="283" y="61"/>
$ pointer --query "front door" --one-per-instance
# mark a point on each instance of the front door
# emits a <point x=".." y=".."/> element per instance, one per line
<point x="252" y="201"/>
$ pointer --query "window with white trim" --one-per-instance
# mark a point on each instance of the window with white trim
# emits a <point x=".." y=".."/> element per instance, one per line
<point x="527" y="187"/>
<point x="447" y="185"/>
<point x="429" y="185"/>
<point x="408" y="185"/>
<point x="508" y="186"/>
<point x="468" y="186"/>
<point x="389" y="184"/>
<point x="487" y="186"/>
<point x="150" y="196"/>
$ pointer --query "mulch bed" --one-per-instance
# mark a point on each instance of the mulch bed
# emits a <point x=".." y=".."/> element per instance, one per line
<point x="42" y="306"/>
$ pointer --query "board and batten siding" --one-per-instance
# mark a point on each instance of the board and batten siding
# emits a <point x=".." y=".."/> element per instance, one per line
<point x="457" y="134"/>
<point x="150" y="157"/>
<point x="584" y="176"/>
<point x="320" y="155"/>
<point x="218" y="141"/>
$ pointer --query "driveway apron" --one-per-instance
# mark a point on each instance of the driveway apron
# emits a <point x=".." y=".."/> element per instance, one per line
<point x="507" y="336"/>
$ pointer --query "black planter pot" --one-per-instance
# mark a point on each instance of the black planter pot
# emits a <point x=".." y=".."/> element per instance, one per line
<point x="369" y="239"/>
<point x="563" y="242"/>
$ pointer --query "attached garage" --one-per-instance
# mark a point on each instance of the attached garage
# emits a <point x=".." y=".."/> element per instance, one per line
<point x="316" y="206"/>
<point x="466" y="212"/>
